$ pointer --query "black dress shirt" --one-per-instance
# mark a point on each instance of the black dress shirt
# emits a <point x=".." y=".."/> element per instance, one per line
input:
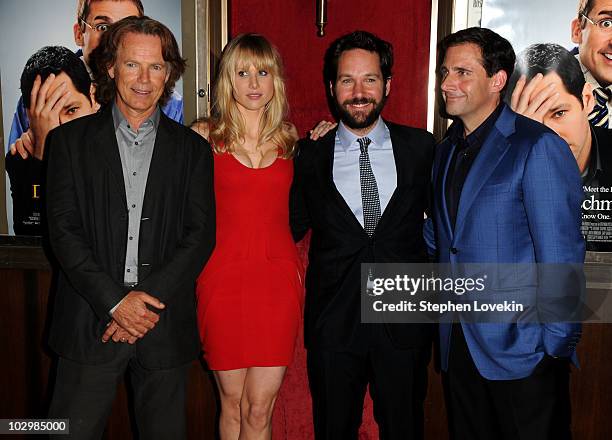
<point x="464" y="155"/>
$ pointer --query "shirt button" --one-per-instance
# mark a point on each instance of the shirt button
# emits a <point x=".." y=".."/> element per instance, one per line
<point x="129" y="126"/>
<point x="133" y="206"/>
<point x="134" y="173"/>
<point x="128" y="270"/>
<point x="131" y="238"/>
<point x="135" y="143"/>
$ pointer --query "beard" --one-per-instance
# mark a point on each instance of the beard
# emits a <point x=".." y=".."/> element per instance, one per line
<point x="360" y="119"/>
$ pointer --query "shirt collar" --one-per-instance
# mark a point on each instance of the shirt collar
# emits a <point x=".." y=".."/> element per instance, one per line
<point x="378" y="135"/>
<point x="588" y="77"/>
<point x="119" y="118"/>
<point x="478" y="136"/>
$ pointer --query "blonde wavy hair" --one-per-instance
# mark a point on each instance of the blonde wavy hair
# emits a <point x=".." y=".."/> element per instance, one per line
<point x="227" y="127"/>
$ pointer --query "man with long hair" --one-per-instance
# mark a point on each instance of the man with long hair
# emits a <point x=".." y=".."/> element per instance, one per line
<point x="26" y="141"/>
<point x="130" y="209"/>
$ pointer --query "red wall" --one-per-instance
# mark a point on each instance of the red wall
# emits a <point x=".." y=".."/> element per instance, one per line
<point x="290" y="25"/>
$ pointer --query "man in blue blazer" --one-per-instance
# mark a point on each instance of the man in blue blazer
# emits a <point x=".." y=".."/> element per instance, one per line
<point x="506" y="190"/>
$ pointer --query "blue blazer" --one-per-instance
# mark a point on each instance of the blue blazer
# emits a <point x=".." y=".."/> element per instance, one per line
<point x="520" y="204"/>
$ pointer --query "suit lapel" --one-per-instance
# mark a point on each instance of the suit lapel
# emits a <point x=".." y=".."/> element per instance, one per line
<point x="324" y="169"/>
<point x="106" y="142"/>
<point x="403" y="169"/>
<point x="163" y="150"/>
<point x="447" y="150"/>
<point x="492" y="152"/>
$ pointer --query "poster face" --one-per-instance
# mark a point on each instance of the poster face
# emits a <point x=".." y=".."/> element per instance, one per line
<point x="26" y="26"/>
<point x="527" y="22"/>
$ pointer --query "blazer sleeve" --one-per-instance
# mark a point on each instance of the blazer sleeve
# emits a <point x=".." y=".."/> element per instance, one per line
<point x="198" y="236"/>
<point x="552" y="191"/>
<point x="67" y="235"/>
<point x="298" y="209"/>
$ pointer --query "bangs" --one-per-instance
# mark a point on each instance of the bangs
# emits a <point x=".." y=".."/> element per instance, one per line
<point x="260" y="57"/>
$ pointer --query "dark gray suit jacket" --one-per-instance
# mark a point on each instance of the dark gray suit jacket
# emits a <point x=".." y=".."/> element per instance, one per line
<point x="87" y="219"/>
<point x="339" y="243"/>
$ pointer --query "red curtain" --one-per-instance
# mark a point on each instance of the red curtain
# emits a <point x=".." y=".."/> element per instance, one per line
<point x="290" y="26"/>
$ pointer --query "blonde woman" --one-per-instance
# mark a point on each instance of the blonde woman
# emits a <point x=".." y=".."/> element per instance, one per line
<point x="250" y="293"/>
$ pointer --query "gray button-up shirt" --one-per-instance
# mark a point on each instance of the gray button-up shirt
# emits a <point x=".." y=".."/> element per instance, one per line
<point x="135" y="150"/>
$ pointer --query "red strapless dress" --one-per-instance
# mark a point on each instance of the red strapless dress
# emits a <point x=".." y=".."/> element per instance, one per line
<point x="250" y="291"/>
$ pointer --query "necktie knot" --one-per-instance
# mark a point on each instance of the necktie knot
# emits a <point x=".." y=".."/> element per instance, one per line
<point x="602" y="95"/>
<point x="364" y="142"/>
<point x="599" y="116"/>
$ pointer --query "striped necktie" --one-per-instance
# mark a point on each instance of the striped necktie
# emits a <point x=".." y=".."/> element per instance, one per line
<point x="369" y="189"/>
<point x="599" y="116"/>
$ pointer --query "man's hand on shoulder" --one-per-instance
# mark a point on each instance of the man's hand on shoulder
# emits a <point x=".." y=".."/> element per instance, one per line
<point x="321" y="129"/>
<point x="133" y="315"/>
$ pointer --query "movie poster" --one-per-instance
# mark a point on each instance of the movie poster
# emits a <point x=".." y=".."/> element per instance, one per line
<point x="524" y="23"/>
<point x="26" y="27"/>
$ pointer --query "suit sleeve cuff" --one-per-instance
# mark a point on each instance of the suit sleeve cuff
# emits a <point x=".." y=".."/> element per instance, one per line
<point x="111" y="311"/>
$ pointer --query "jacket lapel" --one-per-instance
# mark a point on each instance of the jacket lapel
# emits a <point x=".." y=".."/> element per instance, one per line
<point x="403" y="169"/>
<point x="163" y="150"/>
<point x="491" y="154"/>
<point x="106" y="142"/>
<point x="403" y="174"/>
<point x="447" y="150"/>
<point x="324" y="169"/>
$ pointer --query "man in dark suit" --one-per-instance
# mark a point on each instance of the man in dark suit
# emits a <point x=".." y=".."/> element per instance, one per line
<point x="362" y="190"/>
<point x="130" y="208"/>
<point x="506" y="190"/>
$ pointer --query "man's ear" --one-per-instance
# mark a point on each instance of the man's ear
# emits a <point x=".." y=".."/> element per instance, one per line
<point x="588" y="100"/>
<point x="500" y="79"/>
<point x="576" y="30"/>
<point x="92" y="98"/>
<point x="387" y="86"/>
<point x="111" y="71"/>
<point x="331" y="88"/>
<point x="78" y="34"/>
